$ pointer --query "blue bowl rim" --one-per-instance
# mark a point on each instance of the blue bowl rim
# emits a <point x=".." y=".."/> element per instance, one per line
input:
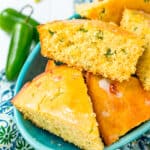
<point x="134" y="134"/>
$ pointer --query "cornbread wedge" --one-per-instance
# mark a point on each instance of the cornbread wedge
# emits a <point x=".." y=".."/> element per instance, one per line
<point x="111" y="10"/>
<point x="119" y="107"/>
<point x="139" y="23"/>
<point x="57" y="101"/>
<point x="95" y="46"/>
<point x="107" y="10"/>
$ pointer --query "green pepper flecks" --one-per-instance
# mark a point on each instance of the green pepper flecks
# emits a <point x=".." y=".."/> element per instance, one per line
<point x="83" y="29"/>
<point x="108" y="52"/>
<point x="51" y="32"/>
<point x="100" y="35"/>
<point x="61" y="40"/>
<point x="135" y="28"/>
<point x="146" y="1"/>
<point x="124" y="51"/>
<point x="102" y="12"/>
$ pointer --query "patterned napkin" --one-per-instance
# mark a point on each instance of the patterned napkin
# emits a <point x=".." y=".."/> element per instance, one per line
<point x="10" y="138"/>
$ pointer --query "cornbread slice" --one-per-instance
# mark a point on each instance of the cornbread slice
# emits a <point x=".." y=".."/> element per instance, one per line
<point x="139" y="23"/>
<point x="107" y="10"/>
<point x="57" y="101"/>
<point x="119" y="107"/>
<point x="95" y="46"/>
<point x="110" y="10"/>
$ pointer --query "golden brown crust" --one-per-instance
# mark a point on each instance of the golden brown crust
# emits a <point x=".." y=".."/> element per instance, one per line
<point x="112" y="27"/>
<point x="117" y="105"/>
<point x="52" y="102"/>
<point x="111" y="10"/>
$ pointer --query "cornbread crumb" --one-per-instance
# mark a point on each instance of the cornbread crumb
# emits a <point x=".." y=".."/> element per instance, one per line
<point x="139" y="23"/>
<point x="63" y="107"/>
<point x="95" y="46"/>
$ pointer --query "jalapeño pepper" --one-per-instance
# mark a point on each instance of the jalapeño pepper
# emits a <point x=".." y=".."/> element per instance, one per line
<point x="9" y="17"/>
<point x="19" y="49"/>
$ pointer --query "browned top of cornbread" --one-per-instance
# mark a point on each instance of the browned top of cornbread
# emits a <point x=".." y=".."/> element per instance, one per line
<point x="57" y="101"/>
<point x="111" y="10"/>
<point x="119" y="107"/>
<point x="112" y="27"/>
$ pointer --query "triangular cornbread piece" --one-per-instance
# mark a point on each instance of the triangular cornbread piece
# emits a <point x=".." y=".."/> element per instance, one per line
<point x="119" y="107"/>
<point x="110" y="10"/>
<point x="139" y="23"/>
<point x="57" y="101"/>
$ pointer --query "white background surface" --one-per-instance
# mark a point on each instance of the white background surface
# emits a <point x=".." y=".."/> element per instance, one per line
<point x="44" y="11"/>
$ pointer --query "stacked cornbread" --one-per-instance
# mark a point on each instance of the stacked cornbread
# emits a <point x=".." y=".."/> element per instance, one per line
<point x="94" y="94"/>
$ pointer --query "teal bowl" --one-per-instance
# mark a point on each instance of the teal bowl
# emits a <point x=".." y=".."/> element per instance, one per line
<point x="41" y="139"/>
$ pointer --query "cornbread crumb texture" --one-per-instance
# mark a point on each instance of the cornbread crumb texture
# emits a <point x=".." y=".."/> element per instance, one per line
<point x="139" y="23"/>
<point x="111" y="10"/>
<point x="95" y="46"/>
<point x="54" y="101"/>
<point x="118" y="107"/>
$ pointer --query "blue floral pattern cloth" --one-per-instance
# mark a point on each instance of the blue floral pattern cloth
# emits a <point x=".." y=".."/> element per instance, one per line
<point x="10" y="138"/>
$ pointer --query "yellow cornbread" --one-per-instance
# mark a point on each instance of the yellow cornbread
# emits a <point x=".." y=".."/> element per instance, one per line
<point x="111" y="10"/>
<point x="57" y="101"/>
<point x="119" y="107"/>
<point x="95" y="46"/>
<point x="139" y="23"/>
<point x="107" y="10"/>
